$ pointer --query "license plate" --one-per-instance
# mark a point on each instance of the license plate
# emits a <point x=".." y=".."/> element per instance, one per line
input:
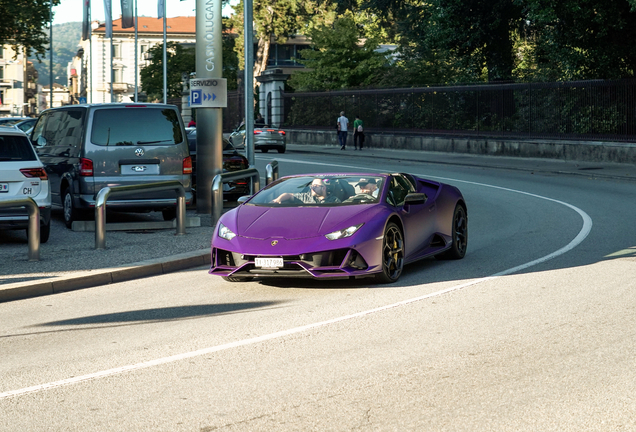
<point x="140" y="169"/>
<point x="269" y="262"/>
<point x="4" y="187"/>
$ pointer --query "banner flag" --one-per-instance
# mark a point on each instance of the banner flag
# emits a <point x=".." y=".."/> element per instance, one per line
<point x="86" y="25"/>
<point x="127" y="14"/>
<point x="108" y="12"/>
<point x="160" y="7"/>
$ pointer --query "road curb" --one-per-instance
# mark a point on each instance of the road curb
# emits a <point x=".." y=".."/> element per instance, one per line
<point x="93" y="278"/>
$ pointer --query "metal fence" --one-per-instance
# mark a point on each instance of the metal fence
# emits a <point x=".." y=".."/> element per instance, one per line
<point x="579" y="110"/>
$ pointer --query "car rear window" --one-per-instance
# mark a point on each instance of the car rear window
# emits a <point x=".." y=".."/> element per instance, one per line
<point x="136" y="126"/>
<point x="16" y="148"/>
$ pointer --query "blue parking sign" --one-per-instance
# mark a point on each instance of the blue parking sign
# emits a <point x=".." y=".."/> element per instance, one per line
<point x="195" y="97"/>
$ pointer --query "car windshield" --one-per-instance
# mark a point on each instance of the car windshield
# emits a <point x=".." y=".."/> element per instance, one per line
<point x="136" y="126"/>
<point x="320" y="190"/>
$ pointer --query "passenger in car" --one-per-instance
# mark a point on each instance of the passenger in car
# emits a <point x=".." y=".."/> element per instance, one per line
<point x="368" y="186"/>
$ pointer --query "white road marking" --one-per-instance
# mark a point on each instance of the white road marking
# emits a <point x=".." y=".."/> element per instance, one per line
<point x="583" y="233"/>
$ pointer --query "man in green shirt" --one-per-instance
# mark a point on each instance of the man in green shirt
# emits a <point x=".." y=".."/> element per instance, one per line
<point x="358" y="133"/>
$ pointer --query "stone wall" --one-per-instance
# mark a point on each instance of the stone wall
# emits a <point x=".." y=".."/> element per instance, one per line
<point x="590" y="151"/>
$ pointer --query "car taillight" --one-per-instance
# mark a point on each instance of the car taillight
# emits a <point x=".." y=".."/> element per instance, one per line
<point x="271" y="130"/>
<point x="257" y="131"/>
<point x="86" y="167"/>
<point x="187" y="165"/>
<point x="34" y="173"/>
<point x="281" y="132"/>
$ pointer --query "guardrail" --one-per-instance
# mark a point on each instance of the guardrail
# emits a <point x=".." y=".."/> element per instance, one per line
<point x="105" y="193"/>
<point x="217" y="188"/>
<point x="33" y="231"/>
<point x="271" y="172"/>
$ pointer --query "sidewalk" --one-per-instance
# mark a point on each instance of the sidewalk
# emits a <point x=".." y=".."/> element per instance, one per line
<point x="69" y="260"/>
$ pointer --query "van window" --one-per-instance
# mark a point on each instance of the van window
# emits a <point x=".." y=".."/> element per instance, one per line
<point x="59" y="128"/>
<point x="136" y="126"/>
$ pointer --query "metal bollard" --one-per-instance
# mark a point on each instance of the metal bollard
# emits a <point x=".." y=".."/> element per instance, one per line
<point x="217" y="189"/>
<point x="34" y="223"/>
<point x="105" y="193"/>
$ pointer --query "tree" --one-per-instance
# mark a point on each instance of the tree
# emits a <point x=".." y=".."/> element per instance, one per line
<point x="278" y="19"/>
<point x="337" y="61"/>
<point x="23" y="23"/>
<point x="180" y="60"/>
<point x="477" y="34"/>
<point x="583" y="39"/>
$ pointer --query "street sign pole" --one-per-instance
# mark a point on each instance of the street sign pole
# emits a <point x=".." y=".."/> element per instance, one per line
<point x="248" y="11"/>
<point x="209" y="66"/>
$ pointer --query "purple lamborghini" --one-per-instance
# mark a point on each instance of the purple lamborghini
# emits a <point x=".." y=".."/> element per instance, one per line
<point x="340" y="226"/>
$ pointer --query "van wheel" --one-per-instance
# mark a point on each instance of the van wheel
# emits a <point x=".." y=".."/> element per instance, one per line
<point x="265" y="150"/>
<point x="169" y="214"/>
<point x="71" y="213"/>
<point x="45" y="231"/>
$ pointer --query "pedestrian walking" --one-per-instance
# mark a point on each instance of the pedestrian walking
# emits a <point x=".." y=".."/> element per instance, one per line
<point x="358" y="133"/>
<point x="343" y="125"/>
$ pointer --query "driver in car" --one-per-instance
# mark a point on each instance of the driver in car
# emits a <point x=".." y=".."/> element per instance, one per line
<point x="368" y="186"/>
<point x="317" y="194"/>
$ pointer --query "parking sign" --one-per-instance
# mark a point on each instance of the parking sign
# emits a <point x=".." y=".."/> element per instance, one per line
<point x="195" y="97"/>
<point x="208" y="92"/>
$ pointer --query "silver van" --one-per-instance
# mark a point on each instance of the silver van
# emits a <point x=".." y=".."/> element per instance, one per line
<point x="87" y="147"/>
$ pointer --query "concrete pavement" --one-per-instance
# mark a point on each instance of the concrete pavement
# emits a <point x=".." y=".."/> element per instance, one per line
<point x="69" y="261"/>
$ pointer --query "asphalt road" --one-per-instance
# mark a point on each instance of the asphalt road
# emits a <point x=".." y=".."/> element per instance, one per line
<point x="533" y="331"/>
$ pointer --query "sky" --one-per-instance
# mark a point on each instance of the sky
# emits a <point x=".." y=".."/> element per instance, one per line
<point x="71" y="10"/>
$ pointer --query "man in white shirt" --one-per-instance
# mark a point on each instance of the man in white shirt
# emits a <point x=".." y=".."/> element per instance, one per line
<point x="343" y="122"/>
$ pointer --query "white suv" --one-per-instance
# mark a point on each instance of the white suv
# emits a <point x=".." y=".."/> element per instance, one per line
<point x="22" y="175"/>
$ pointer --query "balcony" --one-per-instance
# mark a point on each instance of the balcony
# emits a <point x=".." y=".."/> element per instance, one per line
<point x="120" y="87"/>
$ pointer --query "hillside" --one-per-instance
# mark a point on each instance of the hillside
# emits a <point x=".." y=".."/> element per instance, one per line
<point x="66" y="38"/>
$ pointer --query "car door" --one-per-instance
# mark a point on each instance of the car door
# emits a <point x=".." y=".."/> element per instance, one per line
<point x="418" y="219"/>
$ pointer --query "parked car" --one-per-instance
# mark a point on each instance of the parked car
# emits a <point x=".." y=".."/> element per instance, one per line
<point x="340" y="225"/>
<point x="232" y="161"/>
<point x="25" y="125"/>
<point x="265" y="138"/>
<point x="87" y="147"/>
<point x="22" y="175"/>
<point x="12" y="120"/>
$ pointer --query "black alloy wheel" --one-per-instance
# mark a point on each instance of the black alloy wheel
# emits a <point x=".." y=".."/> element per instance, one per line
<point x="460" y="235"/>
<point x="392" y="254"/>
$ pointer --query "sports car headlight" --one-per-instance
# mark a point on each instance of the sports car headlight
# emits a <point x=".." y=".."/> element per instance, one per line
<point x="225" y="232"/>
<point x="343" y="233"/>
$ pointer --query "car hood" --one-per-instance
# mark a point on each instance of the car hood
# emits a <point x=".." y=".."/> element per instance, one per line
<point x="294" y="222"/>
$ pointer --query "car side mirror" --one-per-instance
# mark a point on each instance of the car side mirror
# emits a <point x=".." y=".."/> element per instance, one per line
<point x="242" y="199"/>
<point x="415" y="198"/>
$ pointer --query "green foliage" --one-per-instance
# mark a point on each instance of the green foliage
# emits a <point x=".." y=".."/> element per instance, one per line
<point x="278" y="19"/>
<point x="65" y="40"/>
<point x="180" y="60"/>
<point x="529" y="40"/>
<point x="583" y="39"/>
<point x="230" y="59"/>
<point x="24" y="23"/>
<point x="337" y="61"/>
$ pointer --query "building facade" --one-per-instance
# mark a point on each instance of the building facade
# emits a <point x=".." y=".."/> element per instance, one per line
<point x="90" y="73"/>
<point x="18" y="83"/>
